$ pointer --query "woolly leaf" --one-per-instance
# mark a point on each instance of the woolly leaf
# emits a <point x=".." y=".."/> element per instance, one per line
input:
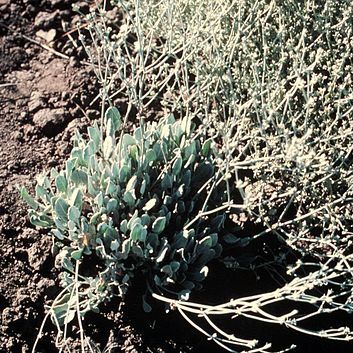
<point x="28" y="198"/>
<point x="61" y="208"/>
<point x="61" y="183"/>
<point x="159" y="225"/>
<point x="150" y="204"/>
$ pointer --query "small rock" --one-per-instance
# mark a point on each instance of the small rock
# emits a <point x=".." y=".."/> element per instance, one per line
<point x="50" y="121"/>
<point x="48" y="36"/>
<point x="36" y="258"/>
<point x="35" y="102"/>
<point x="45" y="19"/>
<point x="17" y="135"/>
<point x="8" y="315"/>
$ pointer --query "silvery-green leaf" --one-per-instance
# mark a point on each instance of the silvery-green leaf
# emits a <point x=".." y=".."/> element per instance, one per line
<point x="180" y="207"/>
<point x="159" y="225"/>
<point x="149" y="205"/>
<point x="143" y="187"/>
<point x="126" y="278"/>
<point x="134" y="152"/>
<point x="190" y="161"/>
<point x="130" y="198"/>
<point x="131" y="183"/>
<point x="114" y="245"/>
<point x="28" y="198"/>
<point x="85" y="227"/>
<point x="145" y="219"/>
<point x="171" y="119"/>
<point x="167" y="200"/>
<point x="136" y="232"/>
<point x="43" y="194"/>
<point x="61" y="183"/>
<point x="108" y="147"/>
<point x="133" y="219"/>
<point x="61" y="208"/>
<point x="234" y="240"/>
<point x="125" y="248"/>
<point x="79" y="177"/>
<point x="186" y="179"/>
<point x="123" y="226"/>
<point x="60" y="224"/>
<point x="124" y="173"/>
<point x="76" y="254"/>
<point x="95" y="217"/>
<point x="136" y="249"/>
<point x="89" y="151"/>
<point x="57" y="234"/>
<point x="53" y="173"/>
<point x="74" y="213"/>
<point x="111" y="188"/>
<point x="205" y="151"/>
<point x="113" y="120"/>
<point x="180" y="191"/>
<point x="162" y="254"/>
<point x="167" y="182"/>
<point x="175" y="265"/>
<point x="69" y="166"/>
<point x="176" y="168"/>
<point x="150" y="156"/>
<point x="42" y="180"/>
<point x="128" y="140"/>
<point x="112" y="205"/>
<point x="186" y="124"/>
<point x="71" y="225"/>
<point x="98" y="200"/>
<point x="62" y="313"/>
<point x="94" y="135"/>
<point x="76" y="198"/>
<point x="167" y="270"/>
<point x="207" y="241"/>
<point x="40" y="221"/>
<point x="138" y="134"/>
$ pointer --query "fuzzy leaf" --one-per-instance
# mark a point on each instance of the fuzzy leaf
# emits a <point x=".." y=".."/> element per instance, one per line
<point x="61" y="208"/>
<point x="205" y="151"/>
<point x="150" y="156"/>
<point x="138" y="233"/>
<point x="57" y="234"/>
<point x="74" y="213"/>
<point x="76" y="254"/>
<point x="159" y="225"/>
<point x="94" y="135"/>
<point x="61" y="183"/>
<point x="131" y="183"/>
<point x="167" y="182"/>
<point x="108" y="147"/>
<point x="112" y="205"/>
<point x="178" y="163"/>
<point x="28" y="198"/>
<point x="128" y="140"/>
<point x="113" y="121"/>
<point x="79" y="177"/>
<point x="149" y="205"/>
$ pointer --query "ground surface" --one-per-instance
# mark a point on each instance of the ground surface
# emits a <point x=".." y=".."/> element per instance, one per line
<point x="44" y="97"/>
